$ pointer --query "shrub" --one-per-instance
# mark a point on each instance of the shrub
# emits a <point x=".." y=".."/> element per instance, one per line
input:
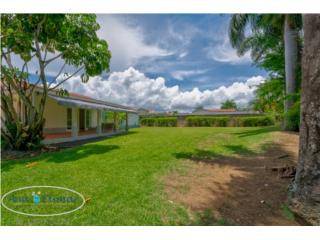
<point x="159" y="122"/>
<point x="293" y="117"/>
<point x="199" y="121"/>
<point x="254" y="121"/>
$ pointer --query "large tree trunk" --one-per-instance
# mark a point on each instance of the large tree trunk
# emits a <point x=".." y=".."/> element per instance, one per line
<point x="306" y="191"/>
<point x="291" y="58"/>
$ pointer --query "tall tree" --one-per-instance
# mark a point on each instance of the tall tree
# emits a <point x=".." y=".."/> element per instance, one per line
<point x="229" y="104"/>
<point x="291" y="57"/>
<point x="267" y="36"/>
<point x="43" y="39"/>
<point x="306" y="190"/>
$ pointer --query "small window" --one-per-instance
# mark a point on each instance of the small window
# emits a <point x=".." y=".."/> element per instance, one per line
<point x="88" y="118"/>
<point x="69" y="118"/>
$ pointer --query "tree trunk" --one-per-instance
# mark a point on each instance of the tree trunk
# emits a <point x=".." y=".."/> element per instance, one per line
<point x="22" y="130"/>
<point x="306" y="188"/>
<point x="291" y="58"/>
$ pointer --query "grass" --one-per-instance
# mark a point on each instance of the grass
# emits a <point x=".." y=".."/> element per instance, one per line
<point x="287" y="213"/>
<point x="122" y="175"/>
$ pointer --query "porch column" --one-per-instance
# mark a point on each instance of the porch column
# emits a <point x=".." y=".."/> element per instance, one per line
<point x="114" y="121"/>
<point x="127" y="122"/>
<point x="99" y="121"/>
<point x="75" y="119"/>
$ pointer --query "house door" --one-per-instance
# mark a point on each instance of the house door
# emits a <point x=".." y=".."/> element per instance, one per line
<point x="81" y="119"/>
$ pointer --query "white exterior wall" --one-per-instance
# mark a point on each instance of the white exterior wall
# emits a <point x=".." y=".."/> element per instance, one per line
<point x="94" y="119"/>
<point x="55" y="115"/>
<point x="133" y="120"/>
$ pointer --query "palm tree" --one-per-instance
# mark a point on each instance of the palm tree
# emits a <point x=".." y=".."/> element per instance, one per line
<point x="262" y="33"/>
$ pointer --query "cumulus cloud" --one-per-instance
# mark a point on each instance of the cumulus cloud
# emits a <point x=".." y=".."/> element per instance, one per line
<point x="133" y="88"/>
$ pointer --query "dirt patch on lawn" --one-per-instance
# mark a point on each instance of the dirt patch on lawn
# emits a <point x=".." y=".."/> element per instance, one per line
<point x="240" y="190"/>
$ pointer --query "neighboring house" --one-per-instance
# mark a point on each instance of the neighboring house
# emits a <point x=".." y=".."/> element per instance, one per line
<point x="143" y="111"/>
<point x="203" y="111"/>
<point x="77" y="117"/>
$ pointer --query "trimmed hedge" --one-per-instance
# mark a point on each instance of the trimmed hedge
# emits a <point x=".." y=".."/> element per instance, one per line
<point x="197" y="121"/>
<point x="159" y="122"/>
<point x="255" y="121"/>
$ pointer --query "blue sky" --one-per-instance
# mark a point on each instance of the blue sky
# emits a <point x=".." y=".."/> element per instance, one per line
<point x="193" y="49"/>
<point x="168" y="62"/>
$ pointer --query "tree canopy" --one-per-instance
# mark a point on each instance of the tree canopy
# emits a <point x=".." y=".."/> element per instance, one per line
<point x="263" y="36"/>
<point x="229" y="104"/>
<point x="44" y="38"/>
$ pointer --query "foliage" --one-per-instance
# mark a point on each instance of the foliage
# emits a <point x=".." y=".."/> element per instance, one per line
<point x="43" y="39"/>
<point x="229" y="104"/>
<point x="266" y="44"/>
<point x="254" y="121"/>
<point x="197" y="121"/>
<point x="265" y="38"/>
<point x="159" y="122"/>
<point x="270" y="98"/>
<point x="198" y="108"/>
<point x="287" y="213"/>
<point x="293" y="115"/>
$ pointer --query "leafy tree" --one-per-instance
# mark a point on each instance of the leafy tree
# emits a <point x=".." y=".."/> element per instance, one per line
<point x="43" y="38"/>
<point x="198" y="108"/>
<point x="229" y="104"/>
<point x="306" y="187"/>
<point x="269" y="98"/>
<point x="275" y="45"/>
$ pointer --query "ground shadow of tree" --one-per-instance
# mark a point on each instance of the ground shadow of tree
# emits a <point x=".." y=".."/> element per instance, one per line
<point x="254" y="197"/>
<point x="71" y="151"/>
<point x="67" y="155"/>
<point x="91" y="140"/>
<point x="248" y="133"/>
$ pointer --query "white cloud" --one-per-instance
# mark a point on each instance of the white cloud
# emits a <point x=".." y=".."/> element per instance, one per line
<point x="181" y="74"/>
<point x="183" y="54"/>
<point x="126" y="42"/>
<point x="133" y="88"/>
<point x="223" y="52"/>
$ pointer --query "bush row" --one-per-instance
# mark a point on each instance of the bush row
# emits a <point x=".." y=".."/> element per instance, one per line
<point x="197" y="121"/>
<point x="208" y="121"/>
<point x="159" y="122"/>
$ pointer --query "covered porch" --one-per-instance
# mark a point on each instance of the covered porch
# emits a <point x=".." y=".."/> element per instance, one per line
<point x="82" y="120"/>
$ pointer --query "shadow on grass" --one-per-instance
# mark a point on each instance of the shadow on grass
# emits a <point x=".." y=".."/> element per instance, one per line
<point x="248" y="133"/>
<point x="70" y="151"/>
<point x="91" y="140"/>
<point x="239" y="149"/>
<point x="62" y="156"/>
<point x="210" y="156"/>
<point x="206" y="218"/>
<point x="248" y="194"/>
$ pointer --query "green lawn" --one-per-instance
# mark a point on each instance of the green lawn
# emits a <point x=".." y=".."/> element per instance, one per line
<point x="122" y="175"/>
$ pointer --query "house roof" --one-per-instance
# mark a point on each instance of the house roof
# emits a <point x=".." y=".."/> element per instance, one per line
<point x="72" y="102"/>
<point x="78" y="100"/>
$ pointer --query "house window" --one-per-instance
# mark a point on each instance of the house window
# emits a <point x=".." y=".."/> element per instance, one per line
<point x="88" y="118"/>
<point x="69" y="118"/>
